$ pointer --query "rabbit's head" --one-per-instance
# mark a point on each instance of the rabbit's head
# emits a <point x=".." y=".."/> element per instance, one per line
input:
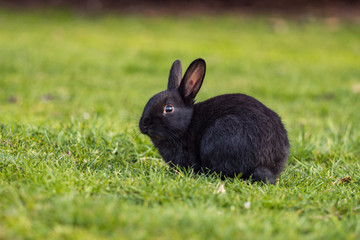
<point x="169" y="113"/>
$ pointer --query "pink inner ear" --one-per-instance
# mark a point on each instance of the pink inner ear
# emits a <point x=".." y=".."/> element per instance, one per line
<point x="191" y="82"/>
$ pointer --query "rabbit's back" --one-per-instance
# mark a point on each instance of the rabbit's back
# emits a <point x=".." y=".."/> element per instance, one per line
<point x="236" y="133"/>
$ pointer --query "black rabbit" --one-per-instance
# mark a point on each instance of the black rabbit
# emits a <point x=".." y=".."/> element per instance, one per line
<point x="230" y="134"/>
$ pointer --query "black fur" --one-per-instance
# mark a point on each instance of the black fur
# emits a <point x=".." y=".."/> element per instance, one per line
<point x="229" y="134"/>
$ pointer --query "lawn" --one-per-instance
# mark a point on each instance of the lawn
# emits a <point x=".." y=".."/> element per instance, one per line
<point x="74" y="166"/>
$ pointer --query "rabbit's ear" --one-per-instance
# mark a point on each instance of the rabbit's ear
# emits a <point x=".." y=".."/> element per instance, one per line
<point x="193" y="79"/>
<point x="175" y="75"/>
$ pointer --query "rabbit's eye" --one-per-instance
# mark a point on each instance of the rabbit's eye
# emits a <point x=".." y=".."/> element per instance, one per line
<point x="168" y="108"/>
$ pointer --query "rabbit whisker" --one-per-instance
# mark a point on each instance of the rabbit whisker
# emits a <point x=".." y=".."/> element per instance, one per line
<point x="177" y="138"/>
<point x="173" y="142"/>
<point x="135" y="133"/>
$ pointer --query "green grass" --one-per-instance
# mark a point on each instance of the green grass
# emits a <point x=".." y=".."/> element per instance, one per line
<point x="72" y="162"/>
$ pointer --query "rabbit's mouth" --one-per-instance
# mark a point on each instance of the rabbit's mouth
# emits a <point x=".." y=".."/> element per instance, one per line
<point x="154" y="136"/>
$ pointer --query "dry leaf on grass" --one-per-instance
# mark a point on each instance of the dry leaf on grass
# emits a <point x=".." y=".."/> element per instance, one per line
<point x="220" y="190"/>
<point x="356" y="88"/>
<point x="342" y="180"/>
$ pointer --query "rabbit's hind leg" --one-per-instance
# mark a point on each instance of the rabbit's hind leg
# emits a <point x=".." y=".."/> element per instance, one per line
<point x="263" y="174"/>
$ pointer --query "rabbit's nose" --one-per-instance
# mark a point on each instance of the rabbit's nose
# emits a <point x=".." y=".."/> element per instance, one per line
<point x="146" y="122"/>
